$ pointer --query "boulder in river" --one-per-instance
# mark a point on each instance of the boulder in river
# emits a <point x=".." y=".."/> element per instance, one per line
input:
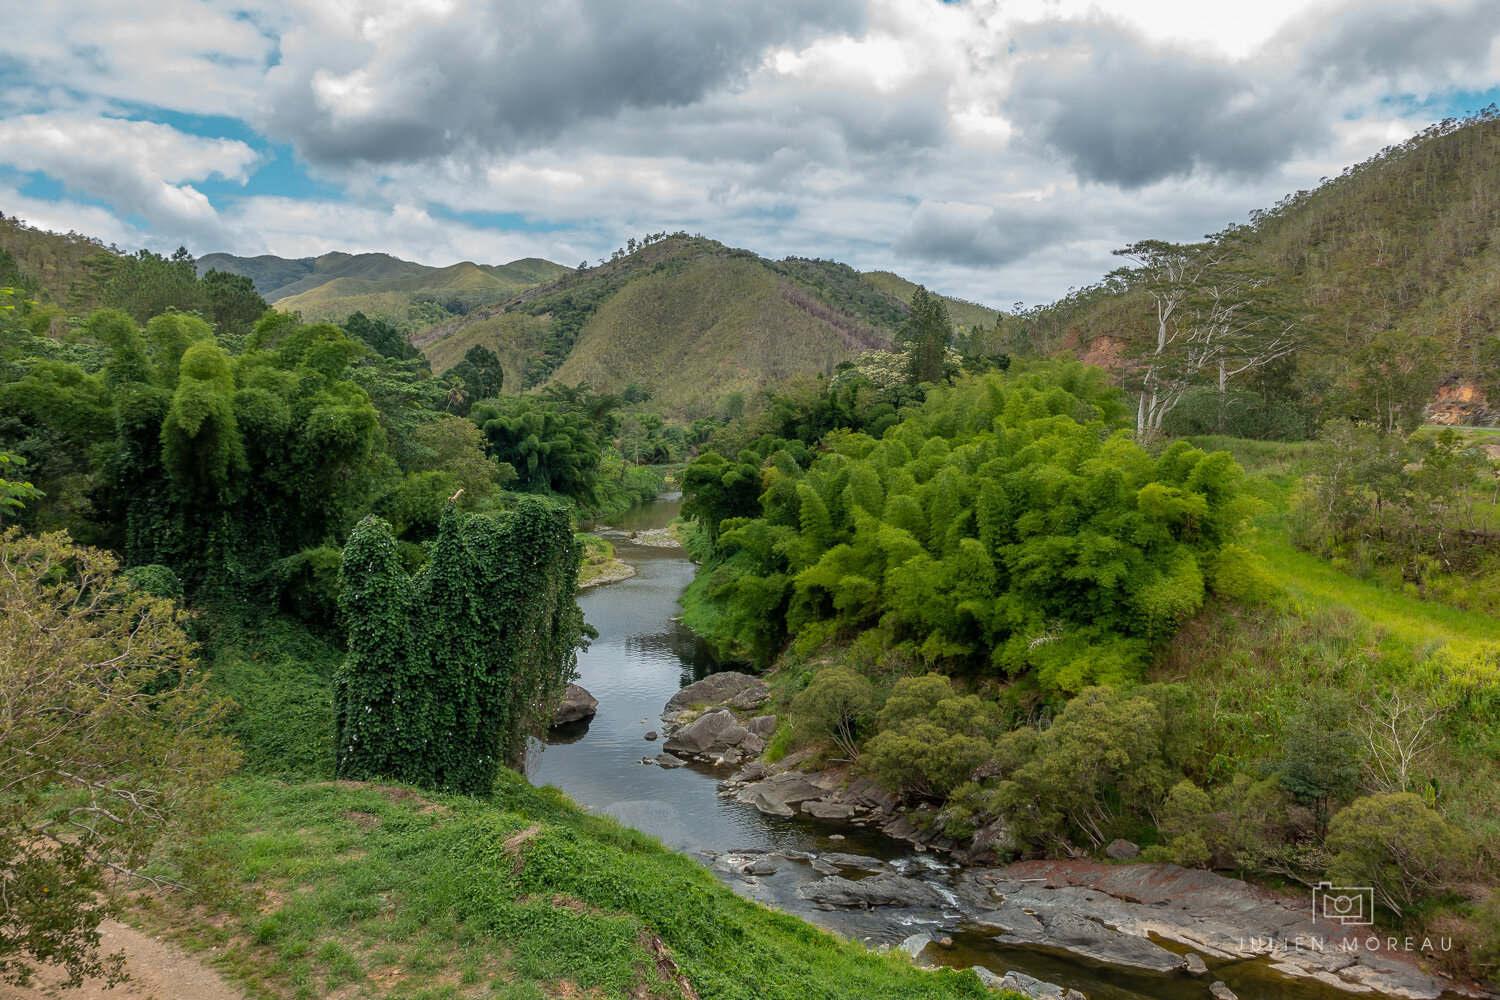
<point x="715" y="689"/>
<point x="878" y="890"/>
<point x="576" y="705"/>
<point x="1036" y="989"/>
<point x="1222" y="992"/>
<point x="780" y="794"/>
<point x="703" y="733"/>
<point x="1195" y="964"/>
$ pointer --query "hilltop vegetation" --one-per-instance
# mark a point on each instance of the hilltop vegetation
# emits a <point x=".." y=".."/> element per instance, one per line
<point x="685" y="317"/>
<point x="1384" y="275"/>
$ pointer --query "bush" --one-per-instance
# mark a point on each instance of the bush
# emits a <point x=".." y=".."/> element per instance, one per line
<point x="837" y="704"/>
<point x="1396" y="844"/>
<point x="931" y="740"/>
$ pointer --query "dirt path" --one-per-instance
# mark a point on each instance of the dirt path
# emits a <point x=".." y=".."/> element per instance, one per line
<point x="158" y="971"/>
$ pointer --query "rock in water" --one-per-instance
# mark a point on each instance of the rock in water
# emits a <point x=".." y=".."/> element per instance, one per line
<point x="576" y="705"/>
<point x="1029" y="986"/>
<point x="1222" y="992"/>
<point x="715" y="689"/>
<point x="1195" y="964"/>
<point x="879" y="890"/>
<point x="913" y="945"/>
<point x="702" y="734"/>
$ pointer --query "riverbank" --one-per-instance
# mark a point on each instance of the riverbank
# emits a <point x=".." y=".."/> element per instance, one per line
<point x="1122" y="916"/>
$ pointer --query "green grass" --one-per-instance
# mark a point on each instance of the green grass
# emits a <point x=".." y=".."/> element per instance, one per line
<point x="381" y="891"/>
<point x="1409" y="621"/>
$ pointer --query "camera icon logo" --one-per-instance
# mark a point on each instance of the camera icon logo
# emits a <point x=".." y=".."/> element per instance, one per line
<point x="1352" y="906"/>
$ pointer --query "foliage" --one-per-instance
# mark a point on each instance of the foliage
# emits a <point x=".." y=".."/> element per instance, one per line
<point x="998" y="528"/>
<point x="551" y="448"/>
<point x="1106" y="756"/>
<point x="1321" y="754"/>
<point x="837" y="704"/>
<point x="449" y="671"/>
<point x="1422" y="504"/>
<point x="1396" y="844"/>
<point x="14" y="492"/>
<point x="930" y="739"/>
<point x="379" y="336"/>
<point x="107" y="739"/>
<point x="925" y="336"/>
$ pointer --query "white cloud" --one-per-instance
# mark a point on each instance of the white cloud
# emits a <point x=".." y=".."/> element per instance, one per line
<point x="981" y="147"/>
<point x="140" y="168"/>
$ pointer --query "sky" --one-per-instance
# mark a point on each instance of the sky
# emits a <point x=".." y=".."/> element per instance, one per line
<point x="997" y="151"/>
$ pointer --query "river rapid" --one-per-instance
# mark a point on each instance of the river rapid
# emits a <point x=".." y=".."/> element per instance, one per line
<point x="642" y="657"/>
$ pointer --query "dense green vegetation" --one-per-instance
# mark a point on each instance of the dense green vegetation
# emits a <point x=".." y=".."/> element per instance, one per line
<point x="517" y="896"/>
<point x="1005" y="610"/>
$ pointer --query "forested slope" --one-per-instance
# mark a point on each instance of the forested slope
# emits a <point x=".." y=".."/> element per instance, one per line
<point x="1393" y="252"/>
<point x="685" y="317"/>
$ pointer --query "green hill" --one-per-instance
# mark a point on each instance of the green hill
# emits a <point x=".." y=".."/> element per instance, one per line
<point x="54" y="260"/>
<point x="409" y="295"/>
<point x="686" y="317"/>
<point x="1400" y="245"/>
<point x="963" y="312"/>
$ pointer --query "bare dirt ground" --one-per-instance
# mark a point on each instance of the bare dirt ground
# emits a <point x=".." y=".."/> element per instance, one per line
<point x="158" y="971"/>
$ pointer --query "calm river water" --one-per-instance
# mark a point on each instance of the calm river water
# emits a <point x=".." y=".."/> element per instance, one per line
<point x="641" y="658"/>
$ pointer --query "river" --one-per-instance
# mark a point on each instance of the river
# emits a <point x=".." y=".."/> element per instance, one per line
<point x="642" y="657"/>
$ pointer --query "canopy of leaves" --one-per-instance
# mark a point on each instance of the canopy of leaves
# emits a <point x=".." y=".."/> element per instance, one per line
<point x="107" y="739"/>
<point x="1001" y="527"/>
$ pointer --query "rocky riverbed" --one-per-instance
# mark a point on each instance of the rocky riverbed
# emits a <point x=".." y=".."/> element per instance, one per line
<point x="1154" y="919"/>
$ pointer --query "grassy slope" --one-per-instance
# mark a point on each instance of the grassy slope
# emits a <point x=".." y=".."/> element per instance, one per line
<point x="714" y="327"/>
<point x="379" y="891"/>
<point x="514" y="337"/>
<point x="963" y="312"/>
<point x="336" y="888"/>
<point x="334" y="285"/>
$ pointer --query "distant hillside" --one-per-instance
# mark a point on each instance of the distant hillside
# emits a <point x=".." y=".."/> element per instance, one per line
<point x="55" y="260"/>
<point x="963" y="312"/>
<point x="1404" y="242"/>
<point x="686" y="317"/>
<point x="409" y="295"/>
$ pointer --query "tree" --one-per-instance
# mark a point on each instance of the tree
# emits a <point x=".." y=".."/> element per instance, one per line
<point x="1321" y="755"/>
<point x="1395" y="377"/>
<point x="925" y="337"/>
<point x="108" y="739"/>
<point x="931" y="739"/>
<point x="1398" y="846"/>
<point x="233" y="302"/>
<point x="837" y="704"/>
<point x="1215" y="318"/>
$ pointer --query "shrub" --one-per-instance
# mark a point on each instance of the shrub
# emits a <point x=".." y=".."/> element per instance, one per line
<point x="1397" y="845"/>
<point x="931" y="739"/>
<point x="837" y="704"/>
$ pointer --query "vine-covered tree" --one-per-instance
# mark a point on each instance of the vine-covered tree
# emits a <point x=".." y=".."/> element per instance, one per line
<point x="449" y="671"/>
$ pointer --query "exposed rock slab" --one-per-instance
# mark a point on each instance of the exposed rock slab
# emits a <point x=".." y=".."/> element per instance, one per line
<point x="878" y="890"/>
